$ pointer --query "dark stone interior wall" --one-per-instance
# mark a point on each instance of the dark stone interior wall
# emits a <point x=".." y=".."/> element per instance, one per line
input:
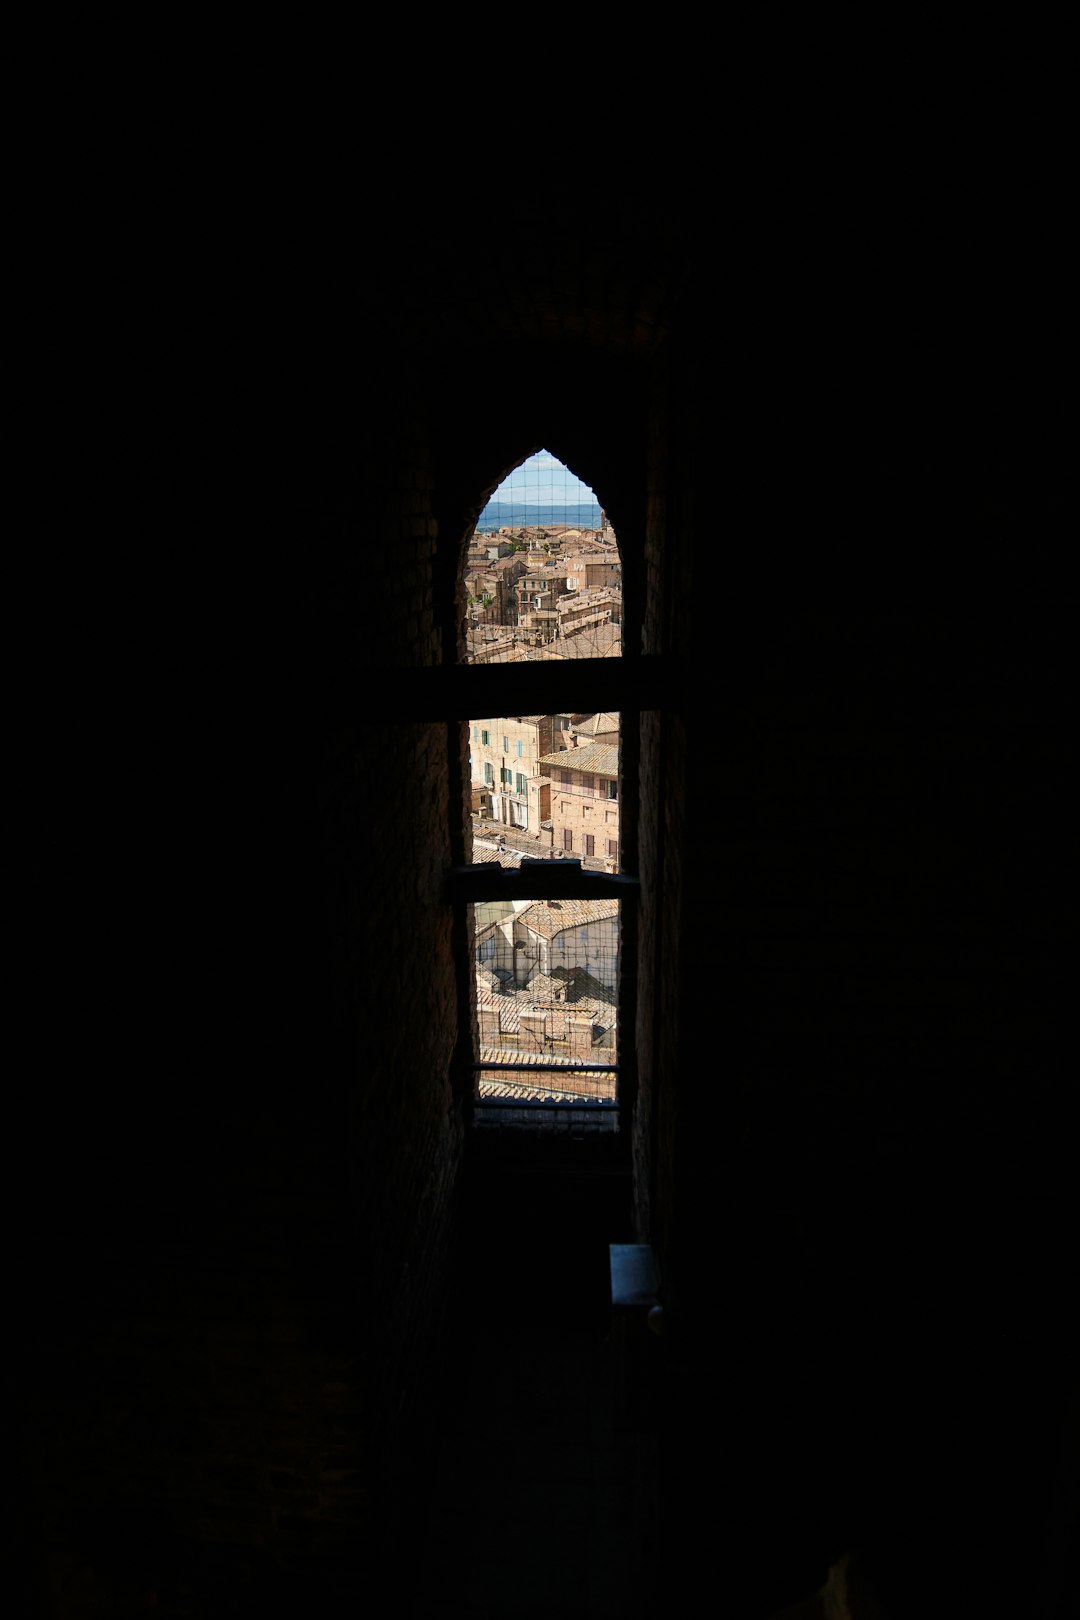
<point x="242" y="1139"/>
<point x="868" y="1248"/>
<point x="239" y="1143"/>
<point x="861" y="1193"/>
<point x="238" y="1131"/>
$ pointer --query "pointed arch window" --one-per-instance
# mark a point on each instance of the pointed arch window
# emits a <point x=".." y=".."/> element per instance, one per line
<point x="548" y="906"/>
<point x="587" y="693"/>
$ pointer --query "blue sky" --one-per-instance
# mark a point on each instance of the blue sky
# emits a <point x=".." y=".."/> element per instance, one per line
<point x="543" y="480"/>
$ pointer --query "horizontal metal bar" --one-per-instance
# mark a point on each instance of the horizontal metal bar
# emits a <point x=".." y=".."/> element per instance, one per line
<point x="548" y="686"/>
<point x="596" y="1103"/>
<point x="537" y="880"/>
<point x="551" y="1068"/>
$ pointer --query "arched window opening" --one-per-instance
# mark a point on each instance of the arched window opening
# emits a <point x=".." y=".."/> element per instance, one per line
<point x="542" y="610"/>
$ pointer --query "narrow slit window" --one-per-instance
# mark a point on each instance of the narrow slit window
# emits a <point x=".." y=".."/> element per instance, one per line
<point x="545" y="965"/>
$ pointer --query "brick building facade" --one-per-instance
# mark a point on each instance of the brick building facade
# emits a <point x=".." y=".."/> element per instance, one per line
<point x="504" y="756"/>
<point x="585" y="800"/>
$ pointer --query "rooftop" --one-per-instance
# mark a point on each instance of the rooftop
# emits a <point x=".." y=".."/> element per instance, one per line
<point x="599" y="758"/>
<point x="551" y="917"/>
<point x="596" y="723"/>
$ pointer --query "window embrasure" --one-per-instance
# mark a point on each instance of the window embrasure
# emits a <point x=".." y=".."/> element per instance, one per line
<point x="544" y="890"/>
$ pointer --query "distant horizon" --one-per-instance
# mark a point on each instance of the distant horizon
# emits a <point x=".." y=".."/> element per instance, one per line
<point x="540" y="514"/>
<point x="541" y="491"/>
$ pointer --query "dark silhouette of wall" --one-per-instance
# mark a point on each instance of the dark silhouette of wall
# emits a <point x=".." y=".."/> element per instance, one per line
<point x="241" y="1135"/>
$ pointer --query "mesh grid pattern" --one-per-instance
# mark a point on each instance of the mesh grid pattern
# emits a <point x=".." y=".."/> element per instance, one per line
<point x="543" y="581"/>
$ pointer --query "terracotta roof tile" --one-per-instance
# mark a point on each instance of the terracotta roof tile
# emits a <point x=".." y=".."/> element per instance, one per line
<point x="551" y="917"/>
<point x="601" y="759"/>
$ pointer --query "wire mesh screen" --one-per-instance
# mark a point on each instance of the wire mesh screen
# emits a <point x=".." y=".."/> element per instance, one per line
<point x="543" y="581"/>
<point x="542" y="575"/>
<point x="547" y="975"/>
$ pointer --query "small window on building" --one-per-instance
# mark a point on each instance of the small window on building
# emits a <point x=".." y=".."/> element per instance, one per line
<point x="520" y="783"/>
<point x="520" y="748"/>
<point x="612" y="790"/>
<point x="506" y="745"/>
<point x="485" y="738"/>
<point x="590" y="844"/>
<point x="568" y="838"/>
<point x="489" y="775"/>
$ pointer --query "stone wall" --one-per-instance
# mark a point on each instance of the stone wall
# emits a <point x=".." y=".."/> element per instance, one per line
<point x="229" y="1340"/>
<point x="239" y="1129"/>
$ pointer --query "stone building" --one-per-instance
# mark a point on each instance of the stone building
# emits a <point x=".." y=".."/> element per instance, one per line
<point x="589" y="613"/>
<point x="504" y="756"/>
<point x="592" y="570"/>
<point x="553" y="938"/>
<point x="593" y="728"/>
<point x="492" y="586"/>
<point x="547" y="982"/>
<point x="560" y="937"/>
<point x="585" y="800"/>
<point x="540" y="588"/>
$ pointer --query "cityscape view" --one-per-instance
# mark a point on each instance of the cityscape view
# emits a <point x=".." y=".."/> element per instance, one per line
<point x="545" y="585"/>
